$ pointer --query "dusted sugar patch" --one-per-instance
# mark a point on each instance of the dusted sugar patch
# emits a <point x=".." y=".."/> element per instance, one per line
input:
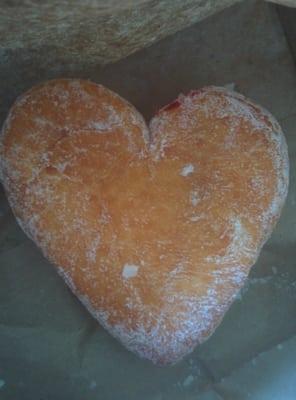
<point x="154" y="229"/>
<point x="187" y="170"/>
<point x="129" y="271"/>
<point x="194" y="198"/>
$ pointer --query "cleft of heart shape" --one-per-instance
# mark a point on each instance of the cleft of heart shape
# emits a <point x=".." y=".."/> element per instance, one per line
<point x="154" y="229"/>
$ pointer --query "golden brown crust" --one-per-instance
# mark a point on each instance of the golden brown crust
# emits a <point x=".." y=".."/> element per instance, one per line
<point x="154" y="235"/>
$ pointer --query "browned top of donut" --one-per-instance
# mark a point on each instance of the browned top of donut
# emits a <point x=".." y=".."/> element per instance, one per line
<point x="155" y="230"/>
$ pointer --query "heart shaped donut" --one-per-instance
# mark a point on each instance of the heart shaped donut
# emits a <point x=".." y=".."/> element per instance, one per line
<point x="154" y="229"/>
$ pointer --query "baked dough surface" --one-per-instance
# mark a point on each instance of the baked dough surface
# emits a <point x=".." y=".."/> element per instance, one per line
<point x="154" y="229"/>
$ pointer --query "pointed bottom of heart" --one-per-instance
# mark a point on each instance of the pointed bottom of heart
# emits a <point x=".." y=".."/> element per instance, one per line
<point x="162" y="346"/>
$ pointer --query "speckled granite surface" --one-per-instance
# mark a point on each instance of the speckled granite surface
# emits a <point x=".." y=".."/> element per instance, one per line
<point x="50" y="348"/>
<point x="96" y="31"/>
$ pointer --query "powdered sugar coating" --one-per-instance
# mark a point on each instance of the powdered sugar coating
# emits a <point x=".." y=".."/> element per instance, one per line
<point x="224" y="103"/>
<point x="154" y="232"/>
<point x="129" y="270"/>
<point x="187" y="170"/>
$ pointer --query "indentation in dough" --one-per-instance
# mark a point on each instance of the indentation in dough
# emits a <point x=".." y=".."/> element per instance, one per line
<point x="239" y="247"/>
